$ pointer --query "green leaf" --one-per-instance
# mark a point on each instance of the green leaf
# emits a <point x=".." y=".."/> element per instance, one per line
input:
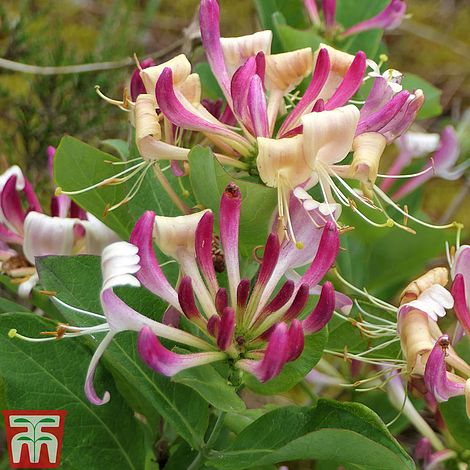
<point x="210" y="87"/>
<point x="212" y="387"/>
<point x="209" y="179"/>
<point x="77" y="166"/>
<point x="347" y="433"/>
<point x="293" y="372"/>
<point x="292" y="10"/>
<point x="457" y="420"/>
<point x="51" y="376"/>
<point x="77" y="281"/>
<point x="119" y="146"/>
<point x="10" y="306"/>
<point x="432" y="95"/>
<point x="292" y="39"/>
<point x="351" y="12"/>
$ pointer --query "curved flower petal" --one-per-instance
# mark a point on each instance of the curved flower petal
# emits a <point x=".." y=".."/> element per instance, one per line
<point x="257" y="107"/>
<point x="296" y="340"/>
<point x="275" y="356"/>
<point x="230" y="204"/>
<point x="461" y="300"/>
<point x="322" y="312"/>
<point x="203" y="247"/>
<point x="25" y="288"/>
<point x="325" y="257"/>
<point x="329" y="13"/>
<point x="328" y="136"/>
<point x="436" y="377"/>
<point x="226" y="328"/>
<point x="136" y="86"/>
<point x="433" y="301"/>
<point x="238" y="49"/>
<point x="11" y="207"/>
<point x="350" y="84"/>
<point x="119" y="263"/>
<point x="150" y="274"/>
<point x="166" y="362"/>
<point x="44" y="235"/>
<point x="209" y="21"/>
<point x="389" y="18"/>
<point x="89" y="387"/>
<point x="320" y="75"/>
<point x="97" y="235"/>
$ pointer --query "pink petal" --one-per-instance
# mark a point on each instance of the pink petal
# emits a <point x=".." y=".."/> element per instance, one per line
<point x="329" y="13"/>
<point x="221" y="300"/>
<point x="389" y="18"/>
<point x="322" y="312"/>
<point x="186" y="299"/>
<point x="270" y="257"/>
<point x="11" y="205"/>
<point x="296" y="340"/>
<point x="166" y="362"/>
<point x="380" y="94"/>
<point x="435" y="374"/>
<point x="60" y="205"/>
<point x="150" y="274"/>
<point x="230" y="204"/>
<point x="226" y="328"/>
<point x="137" y="86"/>
<point x="460" y="302"/>
<point x="300" y="300"/>
<point x="8" y="236"/>
<point x="325" y="257"/>
<point x="209" y="21"/>
<point x="275" y="356"/>
<point x="311" y="7"/>
<point x="203" y="246"/>
<point x="240" y="90"/>
<point x="319" y="77"/>
<point x="257" y="107"/>
<point x="351" y="82"/>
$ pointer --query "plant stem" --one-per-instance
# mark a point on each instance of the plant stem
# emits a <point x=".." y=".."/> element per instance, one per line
<point x="199" y="460"/>
<point x="170" y="191"/>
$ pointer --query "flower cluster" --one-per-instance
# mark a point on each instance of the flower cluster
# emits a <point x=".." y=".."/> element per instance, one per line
<point x="267" y="129"/>
<point x="23" y="224"/>
<point x="257" y="326"/>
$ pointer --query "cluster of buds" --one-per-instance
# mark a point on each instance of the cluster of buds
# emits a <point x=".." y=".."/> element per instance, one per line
<point x="256" y="326"/>
<point x="429" y="352"/>
<point x="389" y="18"/>
<point x="26" y="231"/>
<point x="267" y="129"/>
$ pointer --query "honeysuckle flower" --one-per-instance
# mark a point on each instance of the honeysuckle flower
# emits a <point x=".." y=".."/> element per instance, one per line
<point x="460" y="272"/>
<point x="389" y="18"/>
<point x="441" y="383"/>
<point x="257" y="330"/>
<point x="443" y="163"/>
<point x="24" y="224"/>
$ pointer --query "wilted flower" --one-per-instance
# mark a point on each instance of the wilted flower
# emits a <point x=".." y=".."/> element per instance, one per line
<point x="67" y="230"/>
<point x="259" y="331"/>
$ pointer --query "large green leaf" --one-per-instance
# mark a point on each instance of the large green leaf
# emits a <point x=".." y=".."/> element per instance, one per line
<point x="51" y="376"/>
<point x="293" y="372"/>
<point x="77" y="166"/>
<point x="77" y="281"/>
<point x="292" y="38"/>
<point x="347" y="433"/>
<point x="209" y="179"/>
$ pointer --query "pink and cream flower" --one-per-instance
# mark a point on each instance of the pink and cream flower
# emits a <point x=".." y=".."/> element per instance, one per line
<point x="29" y="232"/>
<point x="257" y="325"/>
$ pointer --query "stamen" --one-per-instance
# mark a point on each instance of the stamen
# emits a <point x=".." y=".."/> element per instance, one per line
<point x="120" y="104"/>
<point x="412" y="175"/>
<point x="389" y="201"/>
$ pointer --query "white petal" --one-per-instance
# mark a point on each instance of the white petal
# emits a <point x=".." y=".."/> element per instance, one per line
<point x="13" y="170"/>
<point x="97" y="235"/>
<point x="45" y="235"/>
<point x="119" y="261"/>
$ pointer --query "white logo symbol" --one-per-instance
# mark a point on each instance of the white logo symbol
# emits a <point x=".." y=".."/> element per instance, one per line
<point x="34" y="437"/>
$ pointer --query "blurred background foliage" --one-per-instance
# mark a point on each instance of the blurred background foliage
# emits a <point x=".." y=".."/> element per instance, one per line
<point x="37" y="110"/>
